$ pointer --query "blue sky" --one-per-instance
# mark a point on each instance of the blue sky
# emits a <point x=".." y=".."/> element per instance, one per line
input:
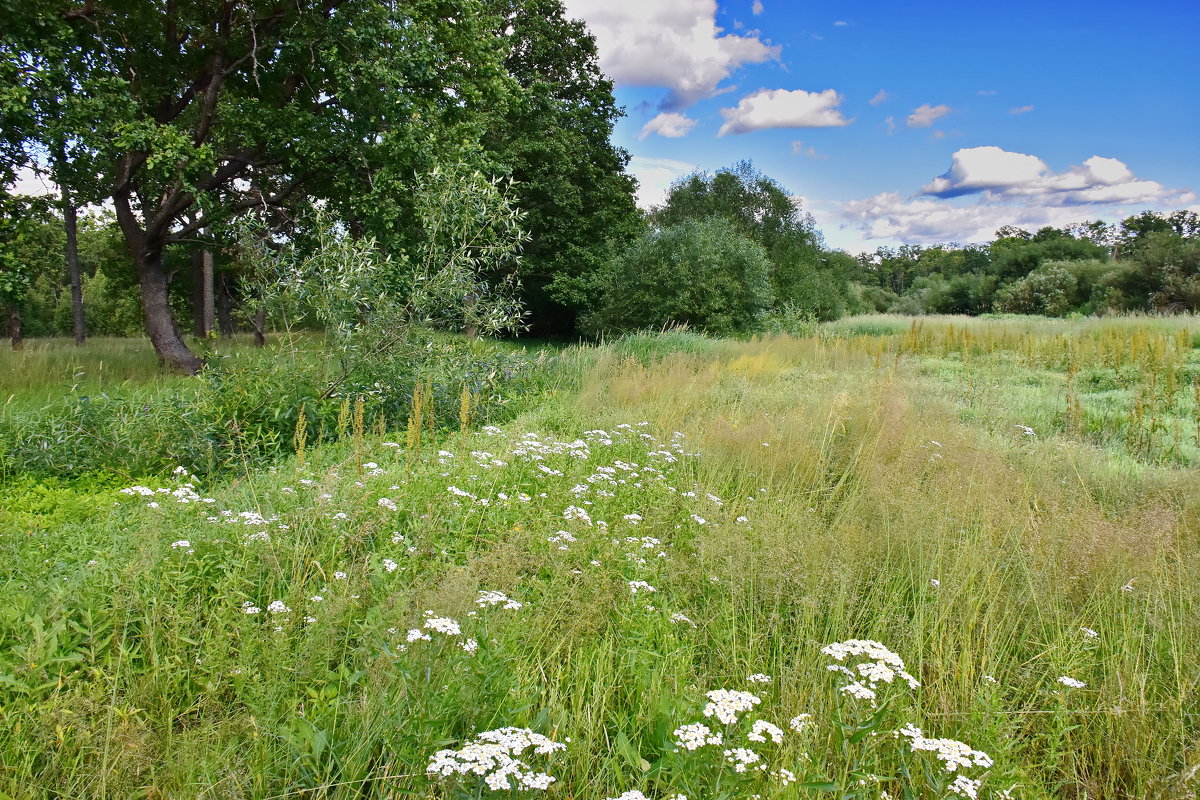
<point x="926" y="122"/>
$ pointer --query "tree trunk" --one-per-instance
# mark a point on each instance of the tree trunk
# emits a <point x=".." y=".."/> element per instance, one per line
<point x="168" y="343"/>
<point x="224" y="303"/>
<point x="71" y="223"/>
<point x="197" y="294"/>
<point x="14" y="326"/>
<point x="260" y="324"/>
<point x="203" y="310"/>
<point x="209" y="306"/>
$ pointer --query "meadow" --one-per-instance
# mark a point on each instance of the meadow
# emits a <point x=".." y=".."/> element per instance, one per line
<point x="902" y="558"/>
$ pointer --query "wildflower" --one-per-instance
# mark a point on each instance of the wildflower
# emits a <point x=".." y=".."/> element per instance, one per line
<point x="784" y="776"/>
<point x="934" y="582"/>
<point x="278" y="607"/>
<point x="316" y="598"/>
<point x="953" y="754"/>
<point x="878" y="665"/>
<point x="965" y="787"/>
<point x="489" y="598"/>
<point x="798" y="722"/>
<point x="1028" y="431"/>
<point x="1089" y="633"/>
<point x="492" y="756"/>
<point x="574" y="512"/>
<point x="310" y="619"/>
<point x="633" y="519"/>
<point x="417" y="635"/>
<point x="387" y="503"/>
<point x="339" y="576"/>
<point x="695" y="736"/>
<point x="699" y="520"/>
<point x="758" y="677"/>
<point x="1066" y="680"/>
<point x="742" y="520"/>
<point x="678" y="618"/>
<point x="469" y="646"/>
<point x="762" y="730"/>
<point x="389" y="565"/>
<point x="640" y="586"/>
<point x="182" y="543"/>
<point x="725" y="704"/>
<point x="445" y="625"/>
<point x="633" y="794"/>
<point x="249" y="608"/>
<point x="741" y="758"/>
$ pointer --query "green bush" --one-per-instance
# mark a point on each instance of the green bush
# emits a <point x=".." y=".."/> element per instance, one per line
<point x="703" y="274"/>
<point x="1054" y="289"/>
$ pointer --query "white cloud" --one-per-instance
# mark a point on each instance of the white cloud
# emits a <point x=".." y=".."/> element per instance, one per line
<point x="783" y="108"/>
<point x="1008" y="189"/>
<point x="757" y="8"/>
<point x="655" y="176"/>
<point x="675" y="45"/>
<point x="1003" y="174"/>
<point x="986" y="92"/>
<point x="891" y="123"/>
<point x="1020" y="110"/>
<point x="840" y="24"/>
<point x="799" y="149"/>
<point x="989" y="168"/>
<point x="670" y="124"/>
<point x="880" y="97"/>
<point x="890" y="216"/>
<point x="923" y="116"/>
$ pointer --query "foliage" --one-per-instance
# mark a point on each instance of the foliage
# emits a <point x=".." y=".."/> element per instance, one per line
<point x="269" y="635"/>
<point x="702" y="274"/>
<point x="555" y="142"/>
<point x="761" y="210"/>
<point x="1055" y="289"/>
<point x="1162" y="274"/>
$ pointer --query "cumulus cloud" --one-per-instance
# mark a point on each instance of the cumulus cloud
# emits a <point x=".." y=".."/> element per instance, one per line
<point x="1020" y="110"/>
<point x="655" y="176"/>
<point x="924" y="115"/>
<point x="757" y="8"/>
<point x="675" y="45"/>
<point x="1004" y="174"/>
<point x="783" y="108"/>
<point x="988" y="187"/>
<point x="670" y="124"/>
<point x="891" y="216"/>
<point x="880" y="97"/>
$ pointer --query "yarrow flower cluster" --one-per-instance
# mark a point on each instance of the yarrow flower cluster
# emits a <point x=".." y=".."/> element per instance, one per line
<point x="876" y="664"/>
<point x="726" y="704"/>
<point x="1066" y="680"/>
<point x="953" y="754"/>
<point x="490" y="598"/>
<point x="762" y="730"/>
<point x="695" y="736"/>
<point x="492" y="755"/>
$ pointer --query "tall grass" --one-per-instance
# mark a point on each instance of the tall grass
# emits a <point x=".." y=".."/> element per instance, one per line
<point x="801" y="492"/>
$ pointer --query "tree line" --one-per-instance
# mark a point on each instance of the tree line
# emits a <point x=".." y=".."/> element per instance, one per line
<point x="200" y="126"/>
<point x="1149" y="262"/>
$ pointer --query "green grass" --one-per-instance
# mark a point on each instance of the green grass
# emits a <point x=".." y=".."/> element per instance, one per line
<point x="877" y="498"/>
